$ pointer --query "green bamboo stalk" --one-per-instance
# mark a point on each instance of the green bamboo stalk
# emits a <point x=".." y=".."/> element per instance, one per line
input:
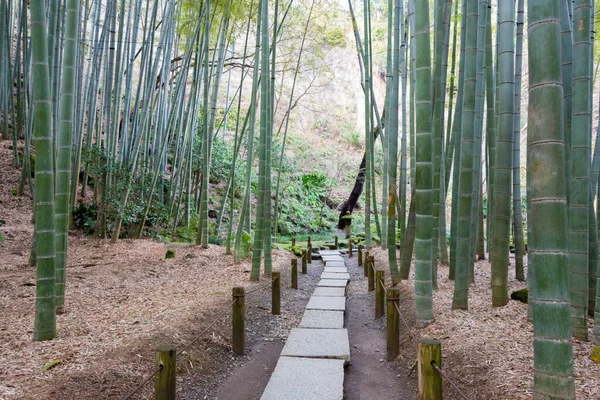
<point x="491" y="128"/>
<point x="368" y="141"/>
<point x="517" y="212"/>
<point x="548" y="221"/>
<point x="424" y="178"/>
<point x="259" y="232"/>
<point x="478" y="132"/>
<point x="450" y="138"/>
<point x="465" y="199"/>
<point x="408" y="239"/>
<point x="245" y="214"/>
<point x="457" y="135"/>
<point x="206" y="137"/>
<point x="580" y="170"/>
<point x="63" y="159"/>
<point x="393" y="149"/>
<point x="403" y="147"/>
<point x="45" y="317"/>
<point x="504" y="153"/>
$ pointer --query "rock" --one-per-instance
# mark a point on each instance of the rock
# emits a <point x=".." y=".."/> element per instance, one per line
<point x="520" y="295"/>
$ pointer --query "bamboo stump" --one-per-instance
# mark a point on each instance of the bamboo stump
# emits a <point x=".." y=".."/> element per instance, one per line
<point x="276" y="293"/>
<point x="360" y="261"/>
<point x="294" y="273"/>
<point x="238" y="320"/>
<point x="164" y="380"/>
<point x="304" y="261"/>
<point x="430" y="381"/>
<point x="393" y="324"/>
<point x="371" y="274"/>
<point x="379" y="293"/>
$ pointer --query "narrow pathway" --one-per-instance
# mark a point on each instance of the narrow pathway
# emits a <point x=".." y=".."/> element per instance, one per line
<point x="370" y="376"/>
<point x="311" y="364"/>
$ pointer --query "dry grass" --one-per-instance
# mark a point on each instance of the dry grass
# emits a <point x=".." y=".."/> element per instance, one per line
<point x="122" y="300"/>
<point x="489" y="351"/>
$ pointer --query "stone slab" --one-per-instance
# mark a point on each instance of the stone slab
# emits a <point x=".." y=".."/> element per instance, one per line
<point x="332" y="258"/>
<point x="306" y="378"/>
<point x="329" y="252"/>
<point x="333" y="283"/>
<point x="318" y="343"/>
<point x="330" y="292"/>
<point x="335" y="269"/>
<point x="335" y="264"/>
<point x="335" y="275"/>
<point x="326" y="303"/>
<point x="322" y="319"/>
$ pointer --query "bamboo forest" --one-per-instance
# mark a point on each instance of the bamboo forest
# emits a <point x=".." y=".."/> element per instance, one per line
<point x="299" y="199"/>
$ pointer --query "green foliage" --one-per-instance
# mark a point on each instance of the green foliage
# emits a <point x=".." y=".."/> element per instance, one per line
<point x="334" y="37"/>
<point x="84" y="217"/>
<point x="98" y="166"/>
<point x="246" y="248"/>
<point x="170" y="254"/>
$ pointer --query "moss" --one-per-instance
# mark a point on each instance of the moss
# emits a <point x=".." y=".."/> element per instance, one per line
<point x="297" y="250"/>
<point x="520" y="295"/>
<point x="595" y="356"/>
<point x="170" y="254"/>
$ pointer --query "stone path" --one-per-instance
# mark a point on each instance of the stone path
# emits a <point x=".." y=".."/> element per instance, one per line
<point x="311" y="364"/>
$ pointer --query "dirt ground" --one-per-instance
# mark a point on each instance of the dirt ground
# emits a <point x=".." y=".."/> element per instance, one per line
<point x="487" y="351"/>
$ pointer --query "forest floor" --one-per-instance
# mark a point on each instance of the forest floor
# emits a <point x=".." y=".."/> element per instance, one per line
<point x="486" y="351"/>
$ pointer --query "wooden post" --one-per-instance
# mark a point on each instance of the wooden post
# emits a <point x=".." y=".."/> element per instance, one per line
<point x="393" y="324"/>
<point x="366" y="264"/>
<point x="349" y="248"/>
<point x="379" y="293"/>
<point x="360" y="261"/>
<point x="164" y="380"/>
<point x="304" y="260"/>
<point x="309" y="247"/>
<point x="293" y="243"/>
<point x="336" y="242"/>
<point x="371" y="274"/>
<point x="294" y="273"/>
<point x="238" y="320"/>
<point x="276" y="293"/>
<point x="430" y="381"/>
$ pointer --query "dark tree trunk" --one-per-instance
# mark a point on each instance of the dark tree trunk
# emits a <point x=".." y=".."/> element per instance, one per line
<point x="357" y="190"/>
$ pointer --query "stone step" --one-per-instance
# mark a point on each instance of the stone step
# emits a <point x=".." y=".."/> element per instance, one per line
<point x="329" y="252"/>
<point x="335" y="264"/>
<point x="327" y="259"/>
<point x="306" y="378"/>
<point x="330" y="292"/>
<point x="335" y="275"/>
<point x="333" y="283"/>
<point x="322" y="319"/>
<point x="318" y="343"/>
<point x="326" y="303"/>
<point x="336" y="269"/>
